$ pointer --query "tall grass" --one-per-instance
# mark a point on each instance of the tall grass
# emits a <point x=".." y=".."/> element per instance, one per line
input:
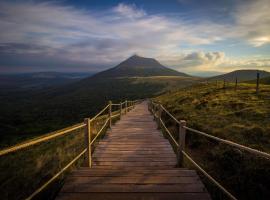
<point x="24" y="171"/>
<point x="238" y="115"/>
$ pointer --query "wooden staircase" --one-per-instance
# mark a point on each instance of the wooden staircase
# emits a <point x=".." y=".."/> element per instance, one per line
<point x="133" y="161"/>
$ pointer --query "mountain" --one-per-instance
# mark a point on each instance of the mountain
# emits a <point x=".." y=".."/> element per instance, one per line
<point x="42" y="110"/>
<point x="38" y="80"/>
<point x="242" y="75"/>
<point x="137" y="66"/>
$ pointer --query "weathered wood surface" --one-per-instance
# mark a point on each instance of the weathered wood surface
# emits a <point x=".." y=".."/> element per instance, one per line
<point x="134" y="161"/>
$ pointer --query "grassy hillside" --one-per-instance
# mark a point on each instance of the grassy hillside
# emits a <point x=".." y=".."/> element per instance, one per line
<point x="30" y="113"/>
<point x="242" y="75"/>
<point x="26" y="170"/>
<point x="168" y="83"/>
<point x="37" y="80"/>
<point x="265" y="81"/>
<point x="240" y="116"/>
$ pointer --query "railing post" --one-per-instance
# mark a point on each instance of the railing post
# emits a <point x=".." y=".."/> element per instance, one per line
<point x="257" y="82"/>
<point x="120" y="110"/>
<point x="110" y="114"/>
<point x="87" y="135"/>
<point x="181" y="142"/>
<point x="159" y="115"/>
<point x="126" y="107"/>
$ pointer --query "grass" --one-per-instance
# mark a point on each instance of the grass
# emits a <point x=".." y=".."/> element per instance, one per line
<point x="27" y="114"/>
<point x="237" y="115"/>
<point x="26" y="170"/>
<point x="167" y="83"/>
<point x="265" y="81"/>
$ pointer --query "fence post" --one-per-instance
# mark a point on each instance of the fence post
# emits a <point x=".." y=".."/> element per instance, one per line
<point x="257" y="82"/>
<point x="159" y="115"/>
<point x="126" y="107"/>
<point x="87" y="135"/>
<point x="120" y="110"/>
<point x="236" y="82"/>
<point x="110" y="114"/>
<point x="181" y="142"/>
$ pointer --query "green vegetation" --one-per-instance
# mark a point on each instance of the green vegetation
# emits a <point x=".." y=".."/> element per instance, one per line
<point x="242" y="75"/>
<point x="167" y="83"/>
<point x="26" y="170"/>
<point x="28" y="114"/>
<point x="237" y="115"/>
<point x="265" y="81"/>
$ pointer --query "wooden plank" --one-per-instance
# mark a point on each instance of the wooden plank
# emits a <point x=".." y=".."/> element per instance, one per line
<point x="106" y="167"/>
<point x="163" y="153"/>
<point x="95" y="172"/>
<point x="134" y="196"/>
<point x="134" y="161"/>
<point x="135" y="148"/>
<point x="132" y="180"/>
<point x="138" y="170"/>
<point x="137" y="141"/>
<point x="130" y="155"/>
<point x="186" y="187"/>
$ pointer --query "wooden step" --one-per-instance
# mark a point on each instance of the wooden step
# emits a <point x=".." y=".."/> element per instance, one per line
<point x="134" y="196"/>
<point x="133" y="162"/>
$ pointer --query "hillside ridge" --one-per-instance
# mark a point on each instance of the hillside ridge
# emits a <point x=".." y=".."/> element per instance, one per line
<point x="242" y="75"/>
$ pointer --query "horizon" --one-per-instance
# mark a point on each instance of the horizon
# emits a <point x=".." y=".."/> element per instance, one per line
<point x="203" y="74"/>
<point x="194" y="37"/>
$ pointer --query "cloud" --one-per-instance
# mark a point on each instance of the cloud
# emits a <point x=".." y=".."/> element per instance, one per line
<point x="199" y="61"/>
<point x="59" y="31"/>
<point x="130" y="11"/>
<point x="100" y="39"/>
<point x="216" y="62"/>
<point x="252" y="22"/>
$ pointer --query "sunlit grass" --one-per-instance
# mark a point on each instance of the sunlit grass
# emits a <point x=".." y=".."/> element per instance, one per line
<point x="239" y="115"/>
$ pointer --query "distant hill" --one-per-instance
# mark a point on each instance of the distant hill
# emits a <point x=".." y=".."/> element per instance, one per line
<point x="265" y="81"/>
<point x="137" y="66"/>
<point x="242" y="75"/>
<point x="38" y="80"/>
<point x="38" y="111"/>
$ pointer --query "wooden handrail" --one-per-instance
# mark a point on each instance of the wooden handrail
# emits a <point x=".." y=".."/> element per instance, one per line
<point x="89" y="142"/>
<point x="115" y="104"/>
<point x="181" y="144"/>
<point x="209" y="177"/>
<point x="55" y="176"/>
<point x="93" y="118"/>
<point x="228" y="142"/>
<point x="100" y="131"/>
<point x="166" y="129"/>
<point x="40" y="139"/>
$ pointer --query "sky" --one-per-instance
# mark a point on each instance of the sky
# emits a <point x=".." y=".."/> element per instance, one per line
<point x="193" y="36"/>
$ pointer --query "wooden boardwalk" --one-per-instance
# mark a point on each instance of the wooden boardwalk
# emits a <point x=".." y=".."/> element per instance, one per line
<point x="134" y="161"/>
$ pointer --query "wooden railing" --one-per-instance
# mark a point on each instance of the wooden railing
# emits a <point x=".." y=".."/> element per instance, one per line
<point x="123" y="108"/>
<point x="157" y="109"/>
